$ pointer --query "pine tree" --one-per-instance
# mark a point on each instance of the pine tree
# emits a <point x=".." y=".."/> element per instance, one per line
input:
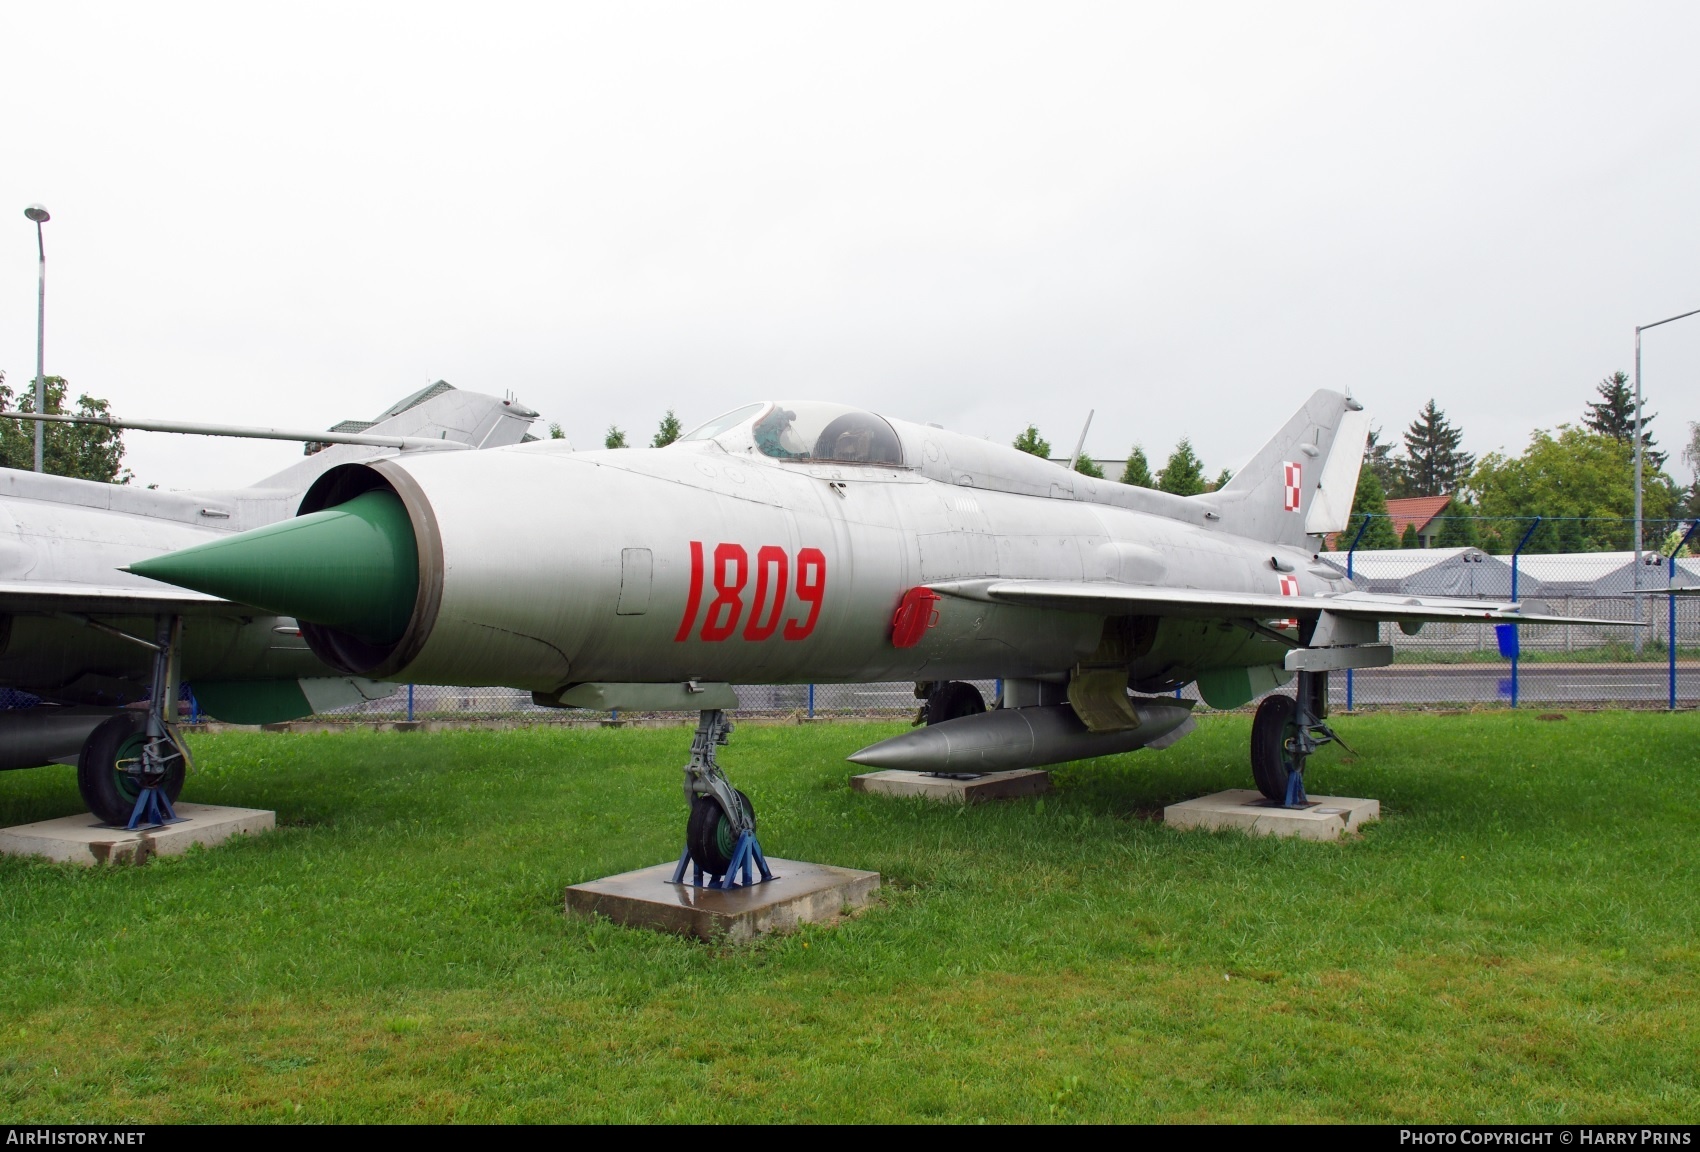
<point x="1033" y="444"/>
<point x="1613" y="414"/>
<point x="1138" y="470"/>
<point x="1433" y="465"/>
<point x="668" y="432"/>
<point x="1410" y="539"/>
<point x="1184" y="473"/>
<point x="1222" y="479"/>
<point x="555" y="432"/>
<point x="615" y="438"/>
<point x="1086" y="467"/>
<point x="1369" y="501"/>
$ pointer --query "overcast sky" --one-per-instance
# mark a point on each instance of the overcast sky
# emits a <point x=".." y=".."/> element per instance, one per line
<point x="1184" y="216"/>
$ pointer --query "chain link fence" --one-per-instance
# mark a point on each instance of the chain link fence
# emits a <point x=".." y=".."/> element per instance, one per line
<point x="1653" y="665"/>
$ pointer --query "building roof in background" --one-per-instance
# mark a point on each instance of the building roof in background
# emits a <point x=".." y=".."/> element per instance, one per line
<point x="1428" y="571"/>
<point x="1392" y="563"/>
<point x="1578" y="573"/>
<point x="1418" y="510"/>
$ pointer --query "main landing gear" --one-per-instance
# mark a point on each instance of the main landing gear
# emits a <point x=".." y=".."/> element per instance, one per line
<point x="1285" y="732"/>
<point x="132" y="766"/>
<point x="943" y="700"/>
<point x="720" y="836"/>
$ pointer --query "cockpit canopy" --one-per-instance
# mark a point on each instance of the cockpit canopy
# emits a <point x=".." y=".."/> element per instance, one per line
<point x="806" y="431"/>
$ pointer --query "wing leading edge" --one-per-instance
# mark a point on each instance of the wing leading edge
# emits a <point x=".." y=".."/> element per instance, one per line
<point x="107" y="599"/>
<point x="1107" y="599"/>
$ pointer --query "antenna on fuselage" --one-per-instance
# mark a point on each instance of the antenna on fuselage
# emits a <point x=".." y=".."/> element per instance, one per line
<point x="1081" y="443"/>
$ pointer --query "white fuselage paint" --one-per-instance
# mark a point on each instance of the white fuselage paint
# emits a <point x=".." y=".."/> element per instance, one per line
<point x="535" y="540"/>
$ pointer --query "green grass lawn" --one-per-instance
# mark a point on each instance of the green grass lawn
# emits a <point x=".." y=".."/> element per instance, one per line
<point x="1516" y="941"/>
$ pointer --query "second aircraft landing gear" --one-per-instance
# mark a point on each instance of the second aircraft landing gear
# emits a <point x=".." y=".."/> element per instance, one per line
<point x="1285" y="732"/>
<point x="720" y="836"/>
<point x="131" y="768"/>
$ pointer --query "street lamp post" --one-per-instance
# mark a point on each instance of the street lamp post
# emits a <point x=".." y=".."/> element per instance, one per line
<point x="39" y="214"/>
<point x="1638" y="448"/>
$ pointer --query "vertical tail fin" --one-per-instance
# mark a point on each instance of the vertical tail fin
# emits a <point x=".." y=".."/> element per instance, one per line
<point x="1300" y="485"/>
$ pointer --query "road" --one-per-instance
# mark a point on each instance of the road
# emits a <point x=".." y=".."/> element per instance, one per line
<point x="1536" y="684"/>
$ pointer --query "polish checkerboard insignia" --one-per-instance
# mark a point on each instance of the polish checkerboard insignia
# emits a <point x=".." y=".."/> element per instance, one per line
<point x="1291" y="474"/>
<point x="1289" y="587"/>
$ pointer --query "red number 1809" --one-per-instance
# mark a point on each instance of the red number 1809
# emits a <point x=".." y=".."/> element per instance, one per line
<point x="729" y="577"/>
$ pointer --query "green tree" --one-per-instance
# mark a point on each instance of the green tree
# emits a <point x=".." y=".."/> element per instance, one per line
<point x="1379" y="458"/>
<point x="1613" y="414"/>
<point x="84" y="451"/>
<point x="555" y="432"/>
<point x="1086" y="467"/>
<point x="615" y="438"/>
<point x="1221" y="480"/>
<point x="1409" y="538"/>
<point x="1581" y="482"/>
<point x="1033" y="444"/>
<point x="668" y="432"/>
<point x="1458" y="528"/>
<point x="1184" y="473"/>
<point x="1691" y="499"/>
<point x="1689" y="506"/>
<point x="1433" y="465"/>
<point x="1369" y="501"/>
<point x="1138" y="469"/>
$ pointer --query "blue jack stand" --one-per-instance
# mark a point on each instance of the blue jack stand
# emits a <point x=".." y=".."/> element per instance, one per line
<point x="1296" y="797"/>
<point x="153" y="810"/>
<point x="746" y="858"/>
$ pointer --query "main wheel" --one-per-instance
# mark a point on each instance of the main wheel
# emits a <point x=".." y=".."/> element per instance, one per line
<point x="952" y="700"/>
<point x="1274" y="726"/>
<point x="710" y="834"/>
<point x="108" y="773"/>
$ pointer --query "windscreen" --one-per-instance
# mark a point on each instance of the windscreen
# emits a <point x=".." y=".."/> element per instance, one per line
<point x="720" y="423"/>
<point x="826" y="432"/>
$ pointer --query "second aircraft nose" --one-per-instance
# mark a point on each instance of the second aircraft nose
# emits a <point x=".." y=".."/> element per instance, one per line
<point x="354" y="567"/>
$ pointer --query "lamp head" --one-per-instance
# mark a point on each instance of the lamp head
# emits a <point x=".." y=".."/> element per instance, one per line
<point x="37" y="213"/>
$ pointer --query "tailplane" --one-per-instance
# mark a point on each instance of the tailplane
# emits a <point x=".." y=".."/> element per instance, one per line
<point x="1301" y="484"/>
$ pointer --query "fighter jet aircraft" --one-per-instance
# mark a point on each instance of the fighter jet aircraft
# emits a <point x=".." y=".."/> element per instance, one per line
<point x="815" y="542"/>
<point x="78" y="638"/>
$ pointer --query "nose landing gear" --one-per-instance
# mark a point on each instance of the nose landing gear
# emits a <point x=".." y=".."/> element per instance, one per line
<point x="720" y="836"/>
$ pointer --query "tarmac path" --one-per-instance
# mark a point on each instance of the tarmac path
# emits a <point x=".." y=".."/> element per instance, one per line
<point x="1542" y="683"/>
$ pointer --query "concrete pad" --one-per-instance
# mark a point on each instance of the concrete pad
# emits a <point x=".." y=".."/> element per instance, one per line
<point x="798" y="893"/>
<point x="84" y="840"/>
<point x="1324" y="818"/>
<point x="955" y="789"/>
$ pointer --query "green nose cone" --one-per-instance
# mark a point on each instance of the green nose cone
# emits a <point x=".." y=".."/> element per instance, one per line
<point x="354" y="567"/>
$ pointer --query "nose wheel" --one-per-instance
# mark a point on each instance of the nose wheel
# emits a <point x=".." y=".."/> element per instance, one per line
<point x="720" y="835"/>
<point x="711" y="835"/>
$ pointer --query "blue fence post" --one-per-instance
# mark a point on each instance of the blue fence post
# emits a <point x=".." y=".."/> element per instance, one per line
<point x="1351" y="554"/>
<point x="1670" y="632"/>
<point x="1517" y="641"/>
<point x="410" y="703"/>
<point x="811" y="701"/>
